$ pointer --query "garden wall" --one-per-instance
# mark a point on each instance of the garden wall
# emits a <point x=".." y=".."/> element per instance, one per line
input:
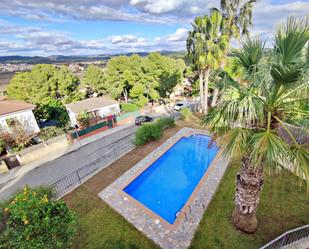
<point x="127" y="118"/>
<point x="41" y="150"/>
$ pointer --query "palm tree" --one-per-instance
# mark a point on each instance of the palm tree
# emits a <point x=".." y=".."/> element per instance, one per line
<point x="238" y="15"/>
<point x="238" y="19"/>
<point x="256" y="121"/>
<point x="205" y="48"/>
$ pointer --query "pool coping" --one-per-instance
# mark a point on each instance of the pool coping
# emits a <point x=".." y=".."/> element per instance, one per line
<point x="180" y="233"/>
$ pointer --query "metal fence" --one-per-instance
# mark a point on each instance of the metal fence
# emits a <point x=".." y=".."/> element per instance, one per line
<point x="111" y="153"/>
<point x="288" y="238"/>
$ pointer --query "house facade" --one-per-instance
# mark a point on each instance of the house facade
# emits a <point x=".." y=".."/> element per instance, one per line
<point x="14" y="110"/>
<point x="98" y="107"/>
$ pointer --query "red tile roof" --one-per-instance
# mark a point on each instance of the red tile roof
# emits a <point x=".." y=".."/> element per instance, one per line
<point x="11" y="106"/>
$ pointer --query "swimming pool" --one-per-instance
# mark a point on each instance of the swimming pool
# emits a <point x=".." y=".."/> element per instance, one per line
<point x="167" y="184"/>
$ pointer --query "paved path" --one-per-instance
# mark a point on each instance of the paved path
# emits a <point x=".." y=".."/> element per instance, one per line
<point x="56" y="166"/>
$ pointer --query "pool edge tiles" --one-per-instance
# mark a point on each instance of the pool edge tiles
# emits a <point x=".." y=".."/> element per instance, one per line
<point x="168" y="236"/>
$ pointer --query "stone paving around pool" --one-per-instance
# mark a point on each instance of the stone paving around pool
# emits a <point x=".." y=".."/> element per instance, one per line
<point x="180" y="234"/>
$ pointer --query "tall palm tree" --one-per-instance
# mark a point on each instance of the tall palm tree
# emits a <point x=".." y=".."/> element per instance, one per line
<point x="238" y="15"/>
<point x="238" y="19"/>
<point x="255" y="121"/>
<point x="205" y="48"/>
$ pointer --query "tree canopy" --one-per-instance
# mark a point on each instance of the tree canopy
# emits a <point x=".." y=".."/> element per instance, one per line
<point x="143" y="78"/>
<point x="94" y="80"/>
<point x="48" y="87"/>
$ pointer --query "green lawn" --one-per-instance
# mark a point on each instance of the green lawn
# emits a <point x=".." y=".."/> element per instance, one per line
<point x="284" y="205"/>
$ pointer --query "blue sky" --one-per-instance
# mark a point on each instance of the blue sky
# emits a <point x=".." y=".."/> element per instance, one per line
<point x="85" y="27"/>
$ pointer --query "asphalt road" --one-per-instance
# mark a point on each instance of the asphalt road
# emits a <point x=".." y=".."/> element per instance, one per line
<point x="69" y="162"/>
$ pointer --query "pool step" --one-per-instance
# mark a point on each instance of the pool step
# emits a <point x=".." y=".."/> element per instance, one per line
<point x="202" y="141"/>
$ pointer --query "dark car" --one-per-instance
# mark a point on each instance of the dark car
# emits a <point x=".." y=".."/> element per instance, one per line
<point x="139" y="120"/>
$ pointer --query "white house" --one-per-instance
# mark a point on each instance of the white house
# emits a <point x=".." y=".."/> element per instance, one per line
<point x="11" y="110"/>
<point x="100" y="107"/>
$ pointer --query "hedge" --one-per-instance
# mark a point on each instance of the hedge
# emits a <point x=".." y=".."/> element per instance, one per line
<point x="152" y="131"/>
<point x="129" y="107"/>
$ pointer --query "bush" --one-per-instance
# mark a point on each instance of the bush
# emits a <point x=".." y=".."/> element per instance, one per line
<point x="129" y="107"/>
<point x="32" y="220"/>
<point x="83" y="119"/>
<point x="165" y="123"/>
<point x="153" y="131"/>
<point x="147" y="133"/>
<point x="185" y="113"/>
<point x="50" y="132"/>
<point x="2" y="144"/>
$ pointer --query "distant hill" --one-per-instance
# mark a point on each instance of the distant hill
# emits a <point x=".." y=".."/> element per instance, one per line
<point x="73" y="58"/>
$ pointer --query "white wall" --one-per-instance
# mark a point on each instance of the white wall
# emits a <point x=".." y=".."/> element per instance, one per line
<point x="26" y="118"/>
<point x="108" y="110"/>
<point x="103" y="112"/>
<point x="72" y="117"/>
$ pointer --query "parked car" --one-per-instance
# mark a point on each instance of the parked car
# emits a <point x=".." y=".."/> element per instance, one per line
<point x="139" y="120"/>
<point x="180" y="105"/>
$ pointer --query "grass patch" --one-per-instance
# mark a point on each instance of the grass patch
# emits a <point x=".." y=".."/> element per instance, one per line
<point x="284" y="205"/>
<point x="129" y="107"/>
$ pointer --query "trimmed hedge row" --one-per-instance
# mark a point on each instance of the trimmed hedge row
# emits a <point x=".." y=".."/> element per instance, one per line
<point x="152" y="131"/>
<point x="129" y="107"/>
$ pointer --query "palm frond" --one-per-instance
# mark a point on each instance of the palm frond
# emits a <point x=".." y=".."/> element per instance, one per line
<point x="241" y="106"/>
<point x="215" y="122"/>
<point x="290" y="41"/>
<point x="268" y="148"/>
<point x="250" y="54"/>
<point x="300" y="163"/>
<point x="235" y="143"/>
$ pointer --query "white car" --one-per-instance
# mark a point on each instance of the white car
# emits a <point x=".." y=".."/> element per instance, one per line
<point x="180" y="105"/>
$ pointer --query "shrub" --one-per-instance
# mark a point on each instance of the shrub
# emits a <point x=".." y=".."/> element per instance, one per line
<point x="153" y="131"/>
<point x="83" y="119"/>
<point x="165" y="123"/>
<point x="147" y="133"/>
<point x="50" y="132"/>
<point x="32" y="220"/>
<point x="129" y="107"/>
<point x="185" y="113"/>
<point x="2" y="144"/>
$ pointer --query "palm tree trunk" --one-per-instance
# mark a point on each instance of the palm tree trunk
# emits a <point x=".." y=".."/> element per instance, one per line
<point x="248" y="187"/>
<point x="201" y="90"/>
<point x="215" y="97"/>
<point x="206" y="81"/>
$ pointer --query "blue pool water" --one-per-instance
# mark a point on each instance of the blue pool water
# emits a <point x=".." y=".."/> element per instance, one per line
<point x="166" y="185"/>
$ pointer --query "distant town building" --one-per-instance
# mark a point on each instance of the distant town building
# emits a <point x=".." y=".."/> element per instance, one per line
<point x="98" y="107"/>
<point x="20" y="111"/>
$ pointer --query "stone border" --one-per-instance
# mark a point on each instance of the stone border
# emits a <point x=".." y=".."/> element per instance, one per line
<point x="180" y="234"/>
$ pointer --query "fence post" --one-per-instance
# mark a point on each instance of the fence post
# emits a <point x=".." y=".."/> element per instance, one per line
<point x="79" y="179"/>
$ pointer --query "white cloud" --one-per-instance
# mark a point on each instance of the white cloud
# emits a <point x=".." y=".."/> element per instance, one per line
<point x="115" y="39"/>
<point x="34" y="41"/>
<point x="179" y="36"/>
<point x="31" y="39"/>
